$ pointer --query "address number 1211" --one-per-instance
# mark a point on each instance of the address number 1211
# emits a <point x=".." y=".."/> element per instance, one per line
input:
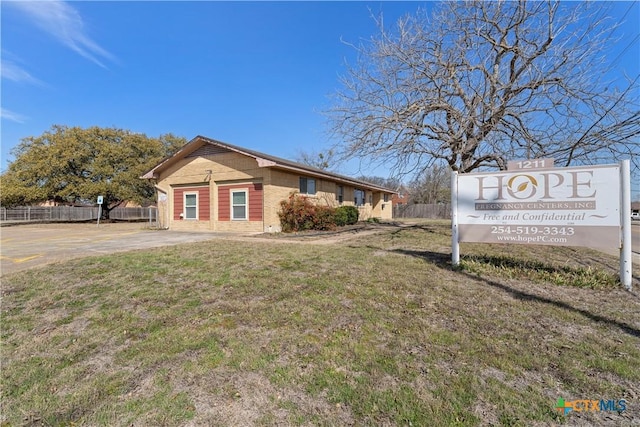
<point x="530" y="164"/>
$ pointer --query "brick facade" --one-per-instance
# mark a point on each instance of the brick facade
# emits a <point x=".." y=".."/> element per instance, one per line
<point x="213" y="172"/>
<point x="204" y="205"/>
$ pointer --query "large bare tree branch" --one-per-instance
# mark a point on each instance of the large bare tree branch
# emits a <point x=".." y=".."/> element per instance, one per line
<point x="476" y="83"/>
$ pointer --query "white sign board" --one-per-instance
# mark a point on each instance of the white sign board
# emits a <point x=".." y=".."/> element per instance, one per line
<point x="575" y="206"/>
<point x="100" y="199"/>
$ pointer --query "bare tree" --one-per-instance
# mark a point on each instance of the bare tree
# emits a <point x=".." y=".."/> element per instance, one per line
<point x="318" y="159"/>
<point x="433" y="185"/>
<point x="477" y="83"/>
<point x="391" y="183"/>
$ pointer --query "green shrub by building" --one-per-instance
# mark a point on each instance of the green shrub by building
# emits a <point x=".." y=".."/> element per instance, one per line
<point x="346" y="215"/>
<point x="298" y="213"/>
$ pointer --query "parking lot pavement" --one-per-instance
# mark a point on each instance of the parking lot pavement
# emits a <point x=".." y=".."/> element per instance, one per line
<point x="27" y="246"/>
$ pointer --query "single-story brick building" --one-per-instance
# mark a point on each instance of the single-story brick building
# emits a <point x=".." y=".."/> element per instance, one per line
<point x="215" y="186"/>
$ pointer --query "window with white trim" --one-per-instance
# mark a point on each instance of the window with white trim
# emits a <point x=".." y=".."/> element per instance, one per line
<point x="340" y="194"/>
<point x="239" y="204"/>
<point x="386" y="197"/>
<point x="307" y="185"/>
<point x="191" y="206"/>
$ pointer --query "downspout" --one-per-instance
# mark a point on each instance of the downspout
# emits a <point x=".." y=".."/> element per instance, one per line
<point x="166" y="210"/>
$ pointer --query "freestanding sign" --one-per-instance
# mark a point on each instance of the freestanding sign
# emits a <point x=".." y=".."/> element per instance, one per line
<point x="573" y="206"/>
<point x="564" y="206"/>
<point x="100" y="201"/>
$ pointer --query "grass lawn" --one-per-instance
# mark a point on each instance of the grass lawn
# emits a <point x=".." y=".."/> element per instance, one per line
<point x="374" y="330"/>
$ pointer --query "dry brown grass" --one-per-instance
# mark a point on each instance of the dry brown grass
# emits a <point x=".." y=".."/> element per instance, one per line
<point x="374" y="329"/>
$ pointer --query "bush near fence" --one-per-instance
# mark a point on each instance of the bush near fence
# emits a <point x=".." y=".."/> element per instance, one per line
<point x="73" y="213"/>
<point x="432" y="211"/>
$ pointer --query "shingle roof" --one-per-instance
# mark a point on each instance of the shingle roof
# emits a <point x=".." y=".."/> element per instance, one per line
<point x="264" y="160"/>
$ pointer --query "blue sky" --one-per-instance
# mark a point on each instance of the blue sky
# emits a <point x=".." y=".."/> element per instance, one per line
<point x="254" y="74"/>
<point x="248" y="73"/>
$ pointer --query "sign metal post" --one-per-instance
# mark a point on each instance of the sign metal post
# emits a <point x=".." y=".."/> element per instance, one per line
<point x="100" y="200"/>
<point x="534" y="202"/>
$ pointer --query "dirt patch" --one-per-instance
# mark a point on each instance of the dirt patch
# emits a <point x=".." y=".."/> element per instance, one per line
<point x="244" y="399"/>
<point x="332" y="236"/>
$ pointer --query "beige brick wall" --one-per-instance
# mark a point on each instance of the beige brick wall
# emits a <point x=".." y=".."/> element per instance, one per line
<point x="283" y="183"/>
<point x="239" y="226"/>
<point x="277" y="186"/>
<point x="374" y="204"/>
<point x="225" y="168"/>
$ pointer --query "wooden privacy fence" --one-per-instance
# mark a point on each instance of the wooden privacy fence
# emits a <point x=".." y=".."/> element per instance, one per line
<point x="133" y="214"/>
<point x="433" y="211"/>
<point x="73" y="213"/>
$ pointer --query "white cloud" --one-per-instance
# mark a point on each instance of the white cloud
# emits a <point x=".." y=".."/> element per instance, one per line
<point x="14" y="72"/>
<point x="10" y="115"/>
<point x="64" y="23"/>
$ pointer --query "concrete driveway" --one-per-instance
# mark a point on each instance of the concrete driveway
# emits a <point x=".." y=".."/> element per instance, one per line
<point x="28" y="246"/>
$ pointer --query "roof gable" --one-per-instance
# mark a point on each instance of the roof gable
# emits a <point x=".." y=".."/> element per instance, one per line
<point x="207" y="150"/>
<point x="203" y="146"/>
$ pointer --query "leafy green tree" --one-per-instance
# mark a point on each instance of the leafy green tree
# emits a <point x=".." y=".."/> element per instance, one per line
<point x="76" y="165"/>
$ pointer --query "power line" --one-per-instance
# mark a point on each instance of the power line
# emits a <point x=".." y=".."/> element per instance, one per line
<point x="625" y="50"/>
